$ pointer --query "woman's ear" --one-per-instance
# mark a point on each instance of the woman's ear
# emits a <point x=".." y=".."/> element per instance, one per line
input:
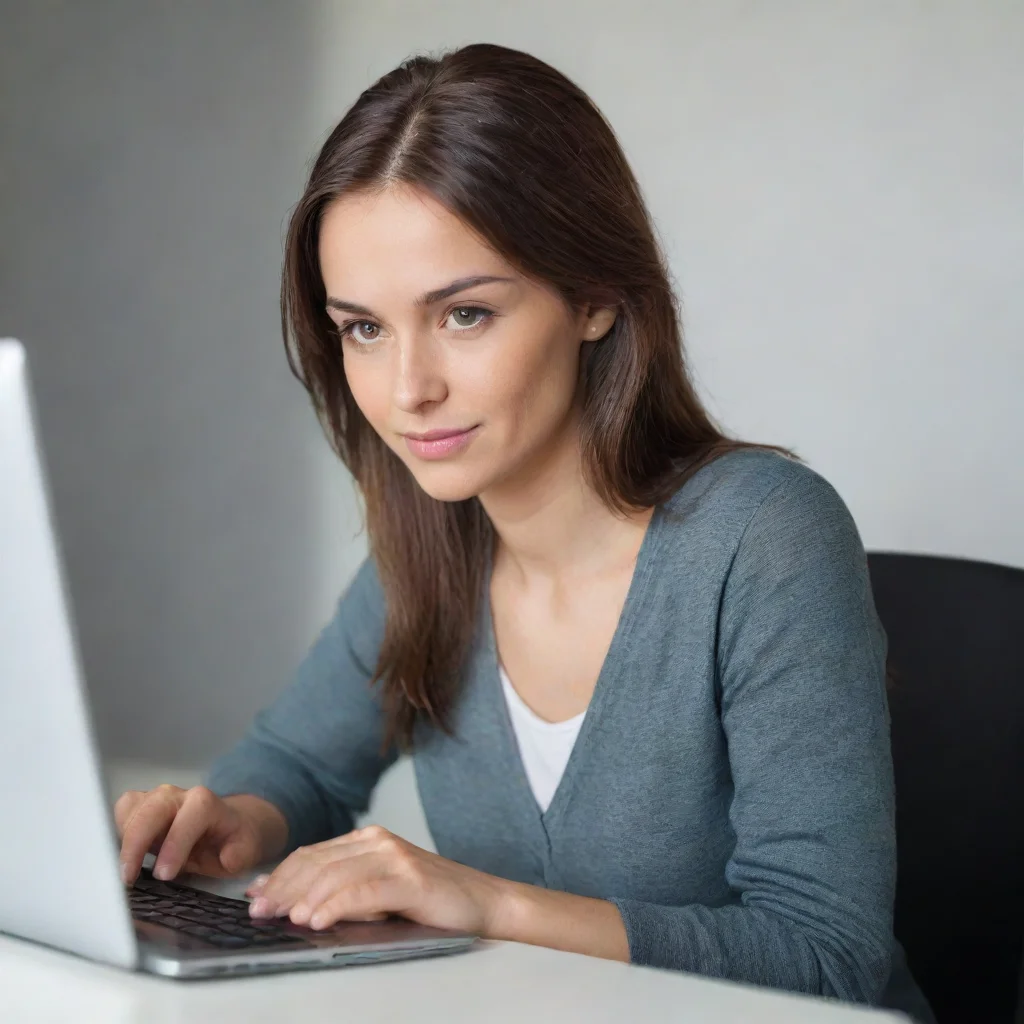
<point x="598" y="322"/>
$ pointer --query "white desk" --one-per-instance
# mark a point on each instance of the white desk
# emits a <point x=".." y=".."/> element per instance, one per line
<point x="496" y="982"/>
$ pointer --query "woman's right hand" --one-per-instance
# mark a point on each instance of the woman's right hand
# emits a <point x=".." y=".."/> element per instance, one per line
<point x="194" y="830"/>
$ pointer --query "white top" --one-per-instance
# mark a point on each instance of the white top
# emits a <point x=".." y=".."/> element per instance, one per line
<point x="543" y="746"/>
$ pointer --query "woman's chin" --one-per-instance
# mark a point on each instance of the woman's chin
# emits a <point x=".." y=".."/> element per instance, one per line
<point x="446" y="483"/>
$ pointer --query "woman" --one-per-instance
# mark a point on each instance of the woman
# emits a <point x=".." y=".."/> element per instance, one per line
<point x="637" y="663"/>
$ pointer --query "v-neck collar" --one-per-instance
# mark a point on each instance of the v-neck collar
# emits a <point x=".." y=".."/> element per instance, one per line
<point x="603" y="688"/>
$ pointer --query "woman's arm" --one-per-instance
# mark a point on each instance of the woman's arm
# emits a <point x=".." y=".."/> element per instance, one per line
<point x="801" y="660"/>
<point x="315" y="753"/>
<point x="559" y="920"/>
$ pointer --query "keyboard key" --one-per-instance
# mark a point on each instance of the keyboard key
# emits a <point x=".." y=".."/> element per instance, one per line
<point x="189" y="913"/>
<point x="219" y="901"/>
<point x="228" y="912"/>
<point x="215" y="920"/>
<point x="206" y="918"/>
<point x="170" y="922"/>
<point x="237" y="913"/>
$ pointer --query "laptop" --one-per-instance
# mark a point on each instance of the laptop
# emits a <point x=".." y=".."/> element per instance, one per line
<point x="56" y="821"/>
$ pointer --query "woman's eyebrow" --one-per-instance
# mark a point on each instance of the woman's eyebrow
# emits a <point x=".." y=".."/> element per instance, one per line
<point x="427" y="299"/>
<point x="439" y="294"/>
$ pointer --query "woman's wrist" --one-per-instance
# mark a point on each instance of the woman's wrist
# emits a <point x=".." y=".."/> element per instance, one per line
<point x="500" y="901"/>
<point x="517" y="912"/>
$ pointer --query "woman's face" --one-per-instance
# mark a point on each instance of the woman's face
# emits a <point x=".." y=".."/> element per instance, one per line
<point x="466" y="369"/>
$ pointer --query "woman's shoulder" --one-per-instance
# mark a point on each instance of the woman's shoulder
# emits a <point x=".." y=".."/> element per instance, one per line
<point x="742" y="479"/>
<point x="753" y="491"/>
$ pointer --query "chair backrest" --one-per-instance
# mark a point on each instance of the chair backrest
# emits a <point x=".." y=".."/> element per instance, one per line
<point x="956" y="660"/>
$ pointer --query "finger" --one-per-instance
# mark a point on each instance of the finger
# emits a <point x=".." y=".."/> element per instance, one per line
<point x="369" y="898"/>
<point x="294" y="875"/>
<point x="126" y="805"/>
<point x="195" y="815"/>
<point x="143" y="832"/>
<point x="236" y="855"/>
<point x="288" y="880"/>
<point x="257" y="885"/>
<point x="151" y="820"/>
<point x="350" y="918"/>
<point x="359" y="862"/>
<point x="348" y="875"/>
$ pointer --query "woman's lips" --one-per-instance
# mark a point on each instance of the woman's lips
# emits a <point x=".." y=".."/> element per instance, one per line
<point x="439" y="444"/>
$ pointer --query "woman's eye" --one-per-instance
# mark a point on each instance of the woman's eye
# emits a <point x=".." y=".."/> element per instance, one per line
<point x="363" y="331"/>
<point x="463" y="317"/>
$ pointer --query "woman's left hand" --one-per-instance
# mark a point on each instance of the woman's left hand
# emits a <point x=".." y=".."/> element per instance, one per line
<point x="370" y="873"/>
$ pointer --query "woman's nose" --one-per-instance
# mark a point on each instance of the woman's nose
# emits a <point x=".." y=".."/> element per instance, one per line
<point x="418" y="379"/>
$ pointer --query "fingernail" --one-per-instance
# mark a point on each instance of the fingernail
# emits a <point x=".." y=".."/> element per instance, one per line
<point x="259" y="908"/>
<point x="300" y="913"/>
<point x="163" y="872"/>
<point x="126" y="876"/>
<point x="318" y="920"/>
<point x="258" y="882"/>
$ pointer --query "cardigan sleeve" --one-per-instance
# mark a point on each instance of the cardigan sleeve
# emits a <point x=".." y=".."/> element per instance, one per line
<point x="801" y="684"/>
<point x="315" y="753"/>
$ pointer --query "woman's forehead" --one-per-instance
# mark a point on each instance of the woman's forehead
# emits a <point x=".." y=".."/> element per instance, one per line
<point x="397" y="244"/>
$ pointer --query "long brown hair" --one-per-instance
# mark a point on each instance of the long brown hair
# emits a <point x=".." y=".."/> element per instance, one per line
<point x="524" y="157"/>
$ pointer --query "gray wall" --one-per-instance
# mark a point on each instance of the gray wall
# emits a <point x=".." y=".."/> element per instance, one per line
<point x="839" y="187"/>
<point x="150" y="155"/>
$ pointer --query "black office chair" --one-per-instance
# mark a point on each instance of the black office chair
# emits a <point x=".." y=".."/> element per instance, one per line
<point x="956" y="660"/>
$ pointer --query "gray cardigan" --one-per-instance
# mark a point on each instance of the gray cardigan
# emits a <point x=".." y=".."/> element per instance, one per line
<point x="731" y="788"/>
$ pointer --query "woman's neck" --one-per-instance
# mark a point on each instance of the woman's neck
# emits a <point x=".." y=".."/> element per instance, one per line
<point x="550" y="522"/>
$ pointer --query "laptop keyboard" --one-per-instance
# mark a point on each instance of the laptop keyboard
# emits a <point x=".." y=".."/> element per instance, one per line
<point x="222" y="922"/>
